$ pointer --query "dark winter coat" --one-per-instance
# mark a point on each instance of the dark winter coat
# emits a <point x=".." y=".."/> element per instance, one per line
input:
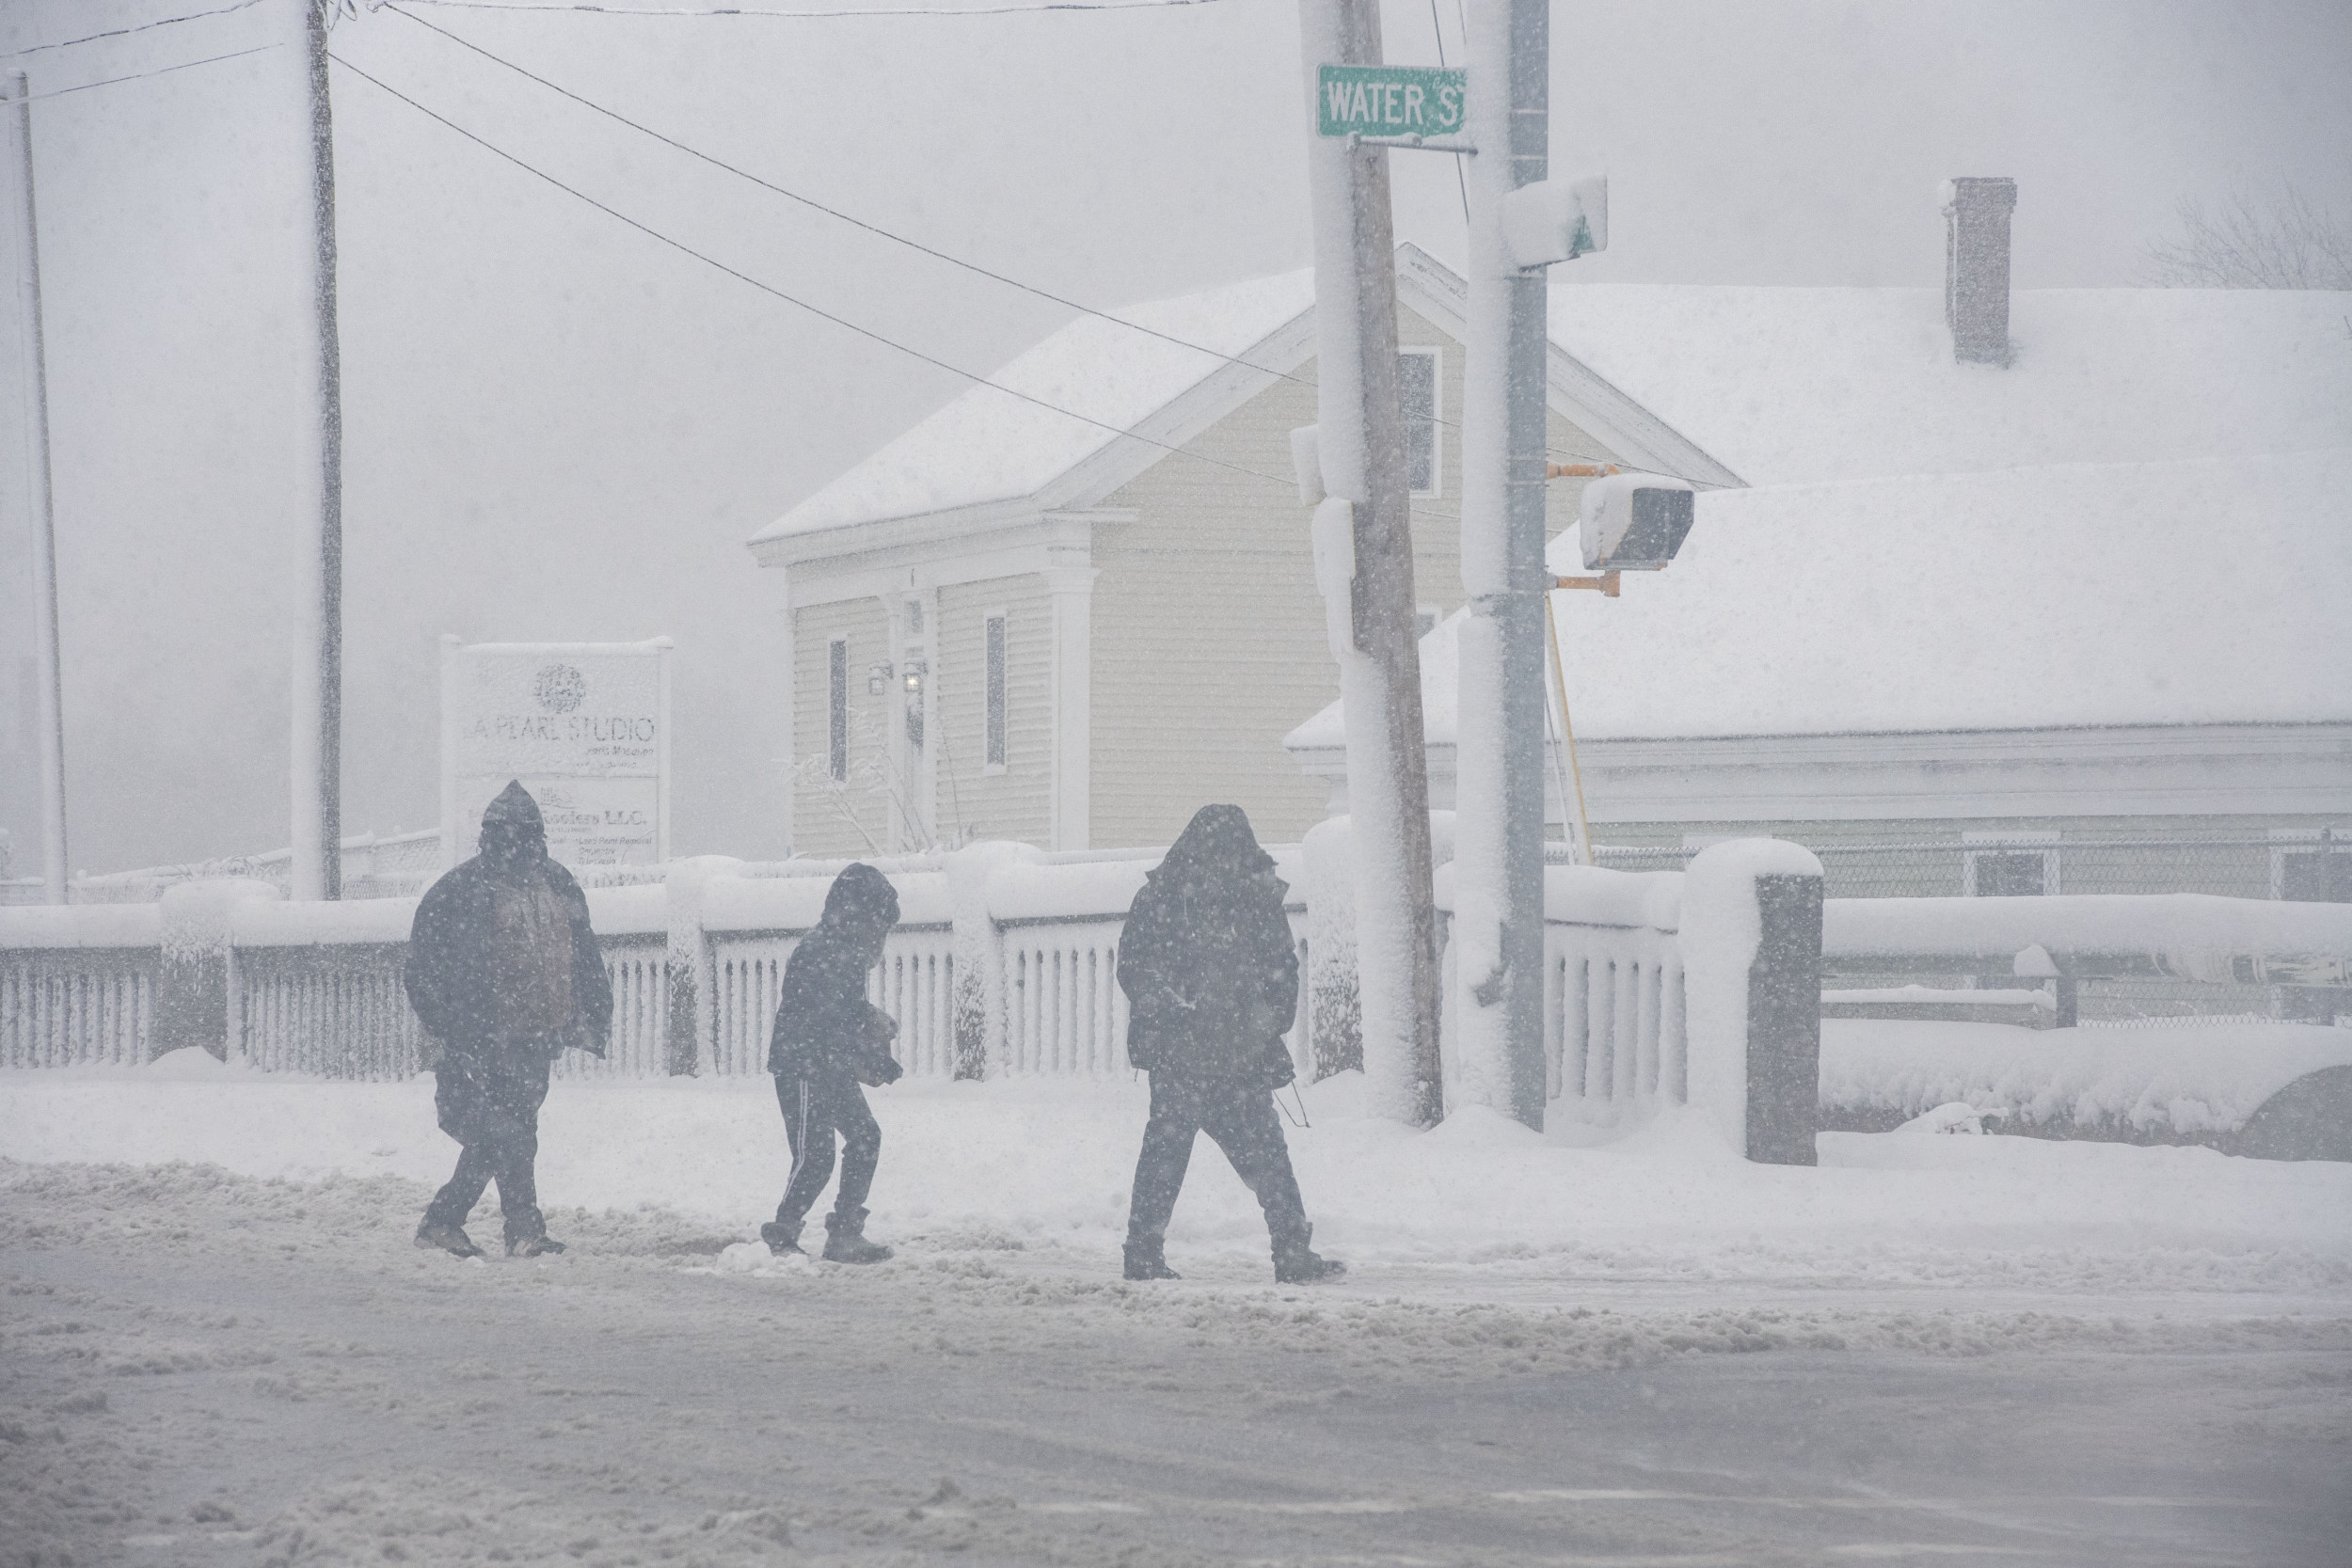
<point x="1211" y="976"/>
<point x="824" y="1025"/>
<point x="452" y="979"/>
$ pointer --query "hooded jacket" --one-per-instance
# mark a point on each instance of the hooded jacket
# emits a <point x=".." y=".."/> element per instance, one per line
<point x="824" y="1025"/>
<point x="451" y="974"/>
<point x="1211" y="976"/>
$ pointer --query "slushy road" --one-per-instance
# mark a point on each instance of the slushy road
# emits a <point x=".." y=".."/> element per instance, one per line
<point x="207" y="1369"/>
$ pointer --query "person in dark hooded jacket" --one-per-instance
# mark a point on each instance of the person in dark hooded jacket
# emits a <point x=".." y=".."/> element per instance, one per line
<point x="828" y="1040"/>
<point x="504" y="973"/>
<point x="1212" y="984"/>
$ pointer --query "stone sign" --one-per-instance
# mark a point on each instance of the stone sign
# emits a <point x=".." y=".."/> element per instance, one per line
<point x="584" y="725"/>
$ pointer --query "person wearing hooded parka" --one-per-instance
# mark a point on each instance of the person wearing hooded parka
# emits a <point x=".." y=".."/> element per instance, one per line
<point x="828" y="1040"/>
<point x="1212" y="984"/>
<point x="505" y="974"/>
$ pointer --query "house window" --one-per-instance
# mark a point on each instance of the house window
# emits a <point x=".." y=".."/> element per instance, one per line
<point x="837" y="709"/>
<point x="997" y="626"/>
<point x="2010" y="865"/>
<point x="1416" y="385"/>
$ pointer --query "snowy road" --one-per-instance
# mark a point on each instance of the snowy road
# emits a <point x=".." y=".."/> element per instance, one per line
<point x="1931" y="1349"/>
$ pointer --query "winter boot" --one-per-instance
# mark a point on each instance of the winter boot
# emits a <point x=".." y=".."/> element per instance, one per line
<point x="1296" y="1263"/>
<point x="783" y="1240"/>
<point x="1149" y="1261"/>
<point x="541" y="1246"/>
<point x="845" y="1239"/>
<point x="449" y="1238"/>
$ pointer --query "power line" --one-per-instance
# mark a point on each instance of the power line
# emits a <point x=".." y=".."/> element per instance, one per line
<point x="877" y="229"/>
<point x="159" y="71"/>
<point x="830" y="212"/>
<point x="144" y="27"/>
<point x="814" y="310"/>
<point x="852" y="12"/>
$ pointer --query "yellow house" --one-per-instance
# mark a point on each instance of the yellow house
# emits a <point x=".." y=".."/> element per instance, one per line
<point x="1078" y="602"/>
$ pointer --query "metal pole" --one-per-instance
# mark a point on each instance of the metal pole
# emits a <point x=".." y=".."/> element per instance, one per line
<point x="318" y="675"/>
<point x="1361" y="447"/>
<point x="48" y="671"/>
<point x="1500" y="783"/>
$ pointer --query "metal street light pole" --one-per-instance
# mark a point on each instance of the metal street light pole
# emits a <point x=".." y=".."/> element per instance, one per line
<point x="48" y="673"/>
<point x="1499" y="833"/>
<point x="318" y="657"/>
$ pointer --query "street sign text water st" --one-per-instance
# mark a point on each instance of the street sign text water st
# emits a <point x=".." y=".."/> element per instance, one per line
<point x="1388" y="101"/>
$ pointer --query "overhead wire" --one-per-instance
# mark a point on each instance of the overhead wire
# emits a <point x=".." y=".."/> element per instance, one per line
<point x="141" y="27"/>
<point x="818" y="312"/>
<point x="840" y="13"/>
<point x="879" y="232"/>
<point x="139" y="75"/>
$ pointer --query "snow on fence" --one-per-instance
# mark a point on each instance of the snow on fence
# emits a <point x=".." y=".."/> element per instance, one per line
<point x="1006" y="962"/>
<point x="1016" y="972"/>
<point x="1615" y="1041"/>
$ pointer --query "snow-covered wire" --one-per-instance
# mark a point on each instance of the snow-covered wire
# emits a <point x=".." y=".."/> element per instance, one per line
<point x="879" y="232"/>
<point x="141" y="27"/>
<point x="847" y="12"/>
<point x="159" y="71"/>
<point x="818" y="312"/>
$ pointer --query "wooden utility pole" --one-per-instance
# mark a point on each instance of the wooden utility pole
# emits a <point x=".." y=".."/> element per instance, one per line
<point x="1361" y="444"/>
<point x="318" y="657"/>
<point x="48" y="676"/>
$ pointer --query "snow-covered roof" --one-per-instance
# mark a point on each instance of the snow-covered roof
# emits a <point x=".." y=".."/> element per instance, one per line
<point x="991" y="445"/>
<point x="1793" y="386"/>
<point x="2203" y="591"/>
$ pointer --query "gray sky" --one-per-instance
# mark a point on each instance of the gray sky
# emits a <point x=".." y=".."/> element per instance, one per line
<point x="561" y="428"/>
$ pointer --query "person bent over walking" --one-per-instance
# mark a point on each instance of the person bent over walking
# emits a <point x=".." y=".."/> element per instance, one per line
<point x="828" y="1040"/>
<point x="504" y="973"/>
<point x="1212" y="985"/>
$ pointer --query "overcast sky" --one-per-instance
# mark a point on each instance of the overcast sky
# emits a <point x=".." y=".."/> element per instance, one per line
<point x="559" y="427"/>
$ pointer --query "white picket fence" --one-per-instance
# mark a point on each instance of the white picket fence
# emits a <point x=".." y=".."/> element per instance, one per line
<point x="1005" y="965"/>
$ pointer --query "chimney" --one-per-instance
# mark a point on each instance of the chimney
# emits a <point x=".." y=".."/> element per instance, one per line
<point x="1976" y="268"/>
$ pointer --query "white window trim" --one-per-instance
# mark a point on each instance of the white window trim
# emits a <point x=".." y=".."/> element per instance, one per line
<point x="1437" y="416"/>
<point x="995" y="613"/>
<point x="2009" y="843"/>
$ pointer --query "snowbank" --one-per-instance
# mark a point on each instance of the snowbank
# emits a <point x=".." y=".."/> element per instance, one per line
<point x="2192" y="1081"/>
<point x="1048" y="1162"/>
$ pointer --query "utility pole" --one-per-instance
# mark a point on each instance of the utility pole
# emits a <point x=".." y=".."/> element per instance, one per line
<point x="1498" y="929"/>
<point x="1360" y="450"/>
<point x="47" y="667"/>
<point x="318" y="656"/>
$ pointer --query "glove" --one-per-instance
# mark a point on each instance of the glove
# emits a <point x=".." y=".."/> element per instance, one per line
<point x="878" y="1069"/>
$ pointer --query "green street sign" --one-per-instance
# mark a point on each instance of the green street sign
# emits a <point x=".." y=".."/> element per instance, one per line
<point x="1390" y="100"/>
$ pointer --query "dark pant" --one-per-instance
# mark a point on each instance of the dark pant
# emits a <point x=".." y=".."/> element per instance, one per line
<point x="1240" y="1116"/>
<point x="487" y="1098"/>
<point x="814" y="1108"/>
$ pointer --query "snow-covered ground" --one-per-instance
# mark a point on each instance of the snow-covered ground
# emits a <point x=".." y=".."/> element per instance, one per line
<point x="1480" y="1199"/>
<point x="218" y="1346"/>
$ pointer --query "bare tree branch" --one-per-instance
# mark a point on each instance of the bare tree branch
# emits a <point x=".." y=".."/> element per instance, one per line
<point x="2269" y="242"/>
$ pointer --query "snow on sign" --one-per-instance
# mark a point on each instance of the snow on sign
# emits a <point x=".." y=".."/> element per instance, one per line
<point x="584" y="725"/>
<point x="1388" y="101"/>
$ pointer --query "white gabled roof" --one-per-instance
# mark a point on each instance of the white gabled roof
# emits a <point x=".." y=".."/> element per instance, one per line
<point x="1796" y="386"/>
<point x="996" y="446"/>
<point x="2203" y="591"/>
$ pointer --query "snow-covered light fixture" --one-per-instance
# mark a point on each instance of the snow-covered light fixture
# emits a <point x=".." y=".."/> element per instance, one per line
<point x="877" y="679"/>
<point x="1635" y="522"/>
